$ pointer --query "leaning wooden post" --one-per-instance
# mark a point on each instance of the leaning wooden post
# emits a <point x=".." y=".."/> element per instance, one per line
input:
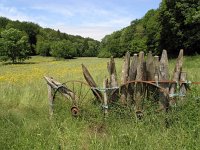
<point x="176" y="76"/>
<point x="164" y="76"/>
<point x="139" y="86"/>
<point x="124" y="78"/>
<point x="92" y="83"/>
<point x="50" y="97"/>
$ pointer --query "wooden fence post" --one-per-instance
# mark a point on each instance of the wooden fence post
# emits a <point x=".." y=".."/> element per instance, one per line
<point x="176" y="76"/>
<point x="113" y="79"/>
<point x="92" y="83"/>
<point x="112" y="72"/>
<point x="164" y="76"/>
<point x="150" y="73"/>
<point x="124" y="77"/>
<point x="140" y="86"/>
<point x="133" y="68"/>
<point x="132" y="76"/>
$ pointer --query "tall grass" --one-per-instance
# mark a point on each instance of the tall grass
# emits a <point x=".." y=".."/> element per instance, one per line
<point x="25" y="123"/>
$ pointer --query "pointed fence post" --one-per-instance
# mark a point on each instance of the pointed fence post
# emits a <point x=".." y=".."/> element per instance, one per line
<point x="124" y="77"/>
<point x="140" y="87"/>
<point x="112" y="72"/>
<point x="92" y="83"/>
<point x="133" y="68"/>
<point x="176" y="76"/>
<point x="164" y="76"/>
<point x="150" y="73"/>
<point x="113" y="79"/>
<point x="132" y="76"/>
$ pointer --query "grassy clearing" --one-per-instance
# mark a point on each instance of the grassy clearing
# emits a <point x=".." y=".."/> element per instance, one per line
<point x="25" y="123"/>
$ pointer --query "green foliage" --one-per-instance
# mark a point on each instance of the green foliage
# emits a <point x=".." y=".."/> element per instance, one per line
<point x="180" y="25"/>
<point x="42" y="39"/>
<point x="173" y="26"/>
<point x="14" y="45"/>
<point x="63" y="49"/>
<point x="141" y="35"/>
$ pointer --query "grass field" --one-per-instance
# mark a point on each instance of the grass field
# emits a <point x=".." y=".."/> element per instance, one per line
<point x="25" y="123"/>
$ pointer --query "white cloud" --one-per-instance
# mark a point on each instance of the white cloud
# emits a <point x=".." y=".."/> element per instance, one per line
<point x="95" y="32"/>
<point x="90" y="18"/>
<point x="12" y="13"/>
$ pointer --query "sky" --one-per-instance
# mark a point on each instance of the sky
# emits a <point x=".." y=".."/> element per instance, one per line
<point x="87" y="18"/>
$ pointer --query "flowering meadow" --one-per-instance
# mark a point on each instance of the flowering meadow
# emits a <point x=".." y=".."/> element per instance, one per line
<point x="25" y="121"/>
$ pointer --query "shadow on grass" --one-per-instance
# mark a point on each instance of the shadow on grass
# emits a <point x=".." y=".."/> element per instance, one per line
<point x="19" y="63"/>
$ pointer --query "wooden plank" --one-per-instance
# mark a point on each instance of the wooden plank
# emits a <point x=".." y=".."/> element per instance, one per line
<point x="92" y="83"/>
<point x="62" y="89"/>
<point x="132" y="76"/>
<point x="133" y="68"/>
<point x="139" y="94"/>
<point x="112" y="72"/>
<point x="176" y="76"/>
<point x="124" y="77"/>
<point x="150" y="67"/>
<point x="125" y="68"/>
<point x="164" y="76"/>
<point x="113" y="79"/>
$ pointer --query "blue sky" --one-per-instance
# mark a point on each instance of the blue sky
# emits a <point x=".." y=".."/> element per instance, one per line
<point x="88" y="18"/>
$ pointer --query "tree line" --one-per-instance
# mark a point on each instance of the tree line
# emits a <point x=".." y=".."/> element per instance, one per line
<point x="173" y="26"/>
<point x="19" y="40"/>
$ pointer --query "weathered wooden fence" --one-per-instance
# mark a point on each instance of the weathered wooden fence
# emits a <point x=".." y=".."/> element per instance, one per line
<point x="141" y="79"/>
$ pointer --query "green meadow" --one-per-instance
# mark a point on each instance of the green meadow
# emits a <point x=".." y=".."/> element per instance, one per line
<point x="24" y="112"/>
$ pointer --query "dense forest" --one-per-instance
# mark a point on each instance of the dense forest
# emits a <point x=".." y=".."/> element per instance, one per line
<point x="174" y="25"/>
<point x="20" y="39"/>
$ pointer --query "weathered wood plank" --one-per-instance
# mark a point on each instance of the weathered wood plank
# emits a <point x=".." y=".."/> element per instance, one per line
<point x="164" y="76"/>
<point x="92" y="83"/>
<point x="176" y="76"/>
<point x="112" y="72"/>
<point x="133" y="68"/>
<point x="140" y="86"/>
<point x="132" y="76"/>
<point x="150" y="74"/>
<point x="62" y="89"/>
<point x="113" y="79"/>
<point x="124" y="77"/>
<point x="150" y="67"/>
